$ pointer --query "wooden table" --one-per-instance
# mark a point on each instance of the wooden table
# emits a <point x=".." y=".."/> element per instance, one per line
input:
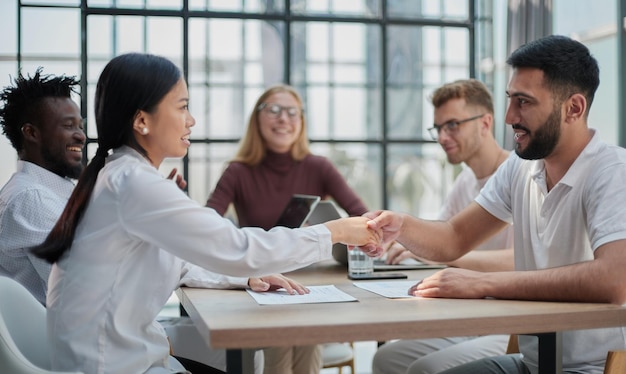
<point x="233" y="320"/>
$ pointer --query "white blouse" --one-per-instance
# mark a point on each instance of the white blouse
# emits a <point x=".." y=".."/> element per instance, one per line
<point x="128" y="256"/>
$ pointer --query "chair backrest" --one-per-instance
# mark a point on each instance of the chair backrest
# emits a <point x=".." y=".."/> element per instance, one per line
<point x="23" y="324"/>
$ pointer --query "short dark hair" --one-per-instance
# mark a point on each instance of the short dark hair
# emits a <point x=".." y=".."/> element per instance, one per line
<point x="567" y="65"/>
<point x="22" y="102"/>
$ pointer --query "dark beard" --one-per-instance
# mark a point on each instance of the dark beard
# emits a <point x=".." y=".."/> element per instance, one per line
<point x="543" y="140"/>
<point x="60" y="167"/>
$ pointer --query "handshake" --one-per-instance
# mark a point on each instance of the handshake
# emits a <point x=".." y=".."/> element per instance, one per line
<point x="370" y="232"/>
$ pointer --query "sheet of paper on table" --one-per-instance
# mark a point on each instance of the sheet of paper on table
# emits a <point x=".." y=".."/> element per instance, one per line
<point x="317" y="294"/>
<point x="390" y="289"/>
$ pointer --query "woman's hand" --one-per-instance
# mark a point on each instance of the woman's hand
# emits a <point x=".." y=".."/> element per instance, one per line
<point x="275" y="282"/>
<point x="355" y="232"/>
<point x="178" y="179"/>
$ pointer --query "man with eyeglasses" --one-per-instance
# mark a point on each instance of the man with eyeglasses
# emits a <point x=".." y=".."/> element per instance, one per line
<point x="464" y="129"/>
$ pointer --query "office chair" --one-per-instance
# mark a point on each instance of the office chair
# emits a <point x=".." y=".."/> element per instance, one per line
<point x="23" y="334"/>
<point x="338" y="355"/>
<point x="615" y="360"/>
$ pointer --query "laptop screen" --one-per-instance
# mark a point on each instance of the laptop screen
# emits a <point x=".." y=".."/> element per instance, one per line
<point x="297" y="211"/>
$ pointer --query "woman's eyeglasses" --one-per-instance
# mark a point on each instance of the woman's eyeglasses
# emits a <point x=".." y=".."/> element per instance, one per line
<point x="276" y="110"/>
<point x="449" y="127"/>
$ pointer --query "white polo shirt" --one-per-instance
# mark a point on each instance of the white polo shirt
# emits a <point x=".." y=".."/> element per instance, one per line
<point x="585" y="210"/>
<point x="464" y="190"/>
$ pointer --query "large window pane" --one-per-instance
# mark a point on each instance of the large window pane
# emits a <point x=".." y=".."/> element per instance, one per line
<point x="253" y="55"/>
<point x="366" y="99"/>
<point x="207" y="162"/>
<point x="594" y="24"/>
<point x="247" y="6"/>
<point x="51" y="2"/>
<point x="360" y="164"/>
<point x="339" y="74"/>
<point x="50" y="32"/>
<point x="338" y="8"/>
<point x="419" y="179"/>
<point x="438" y="9"/>
<point x="137" y="4"/>
<point x="419" y="60"/>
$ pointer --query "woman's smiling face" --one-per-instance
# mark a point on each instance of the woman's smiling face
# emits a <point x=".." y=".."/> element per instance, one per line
<point x="280" y="121"/>
<point x="168" y="128"/>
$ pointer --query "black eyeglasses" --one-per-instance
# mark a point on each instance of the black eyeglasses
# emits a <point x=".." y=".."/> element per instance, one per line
<point x="276" y="110"/>
<point x="449" y="127"/>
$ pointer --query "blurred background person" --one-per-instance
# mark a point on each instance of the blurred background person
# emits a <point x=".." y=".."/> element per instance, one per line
<point x="464" y="129"/>
<point x="272" y="164"/>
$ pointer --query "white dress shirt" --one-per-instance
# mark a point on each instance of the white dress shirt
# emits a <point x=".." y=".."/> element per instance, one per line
<point x="106" y="292"/>
<point x="583" y="211"/>
<point x="30" y="204"/>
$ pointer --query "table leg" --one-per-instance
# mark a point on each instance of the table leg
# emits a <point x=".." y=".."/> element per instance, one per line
<point x="550" y="353"/>
<point x="240" y="361"/>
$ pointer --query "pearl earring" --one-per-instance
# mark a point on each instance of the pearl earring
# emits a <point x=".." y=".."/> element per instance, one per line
<point x="144" y="131"/>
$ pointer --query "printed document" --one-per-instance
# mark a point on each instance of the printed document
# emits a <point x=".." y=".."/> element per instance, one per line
<point x="317" y="294"/>
<point x="390" y="289"/>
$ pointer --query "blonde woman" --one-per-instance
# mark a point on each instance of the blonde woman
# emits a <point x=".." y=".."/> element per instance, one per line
<point x="273" y="163"/>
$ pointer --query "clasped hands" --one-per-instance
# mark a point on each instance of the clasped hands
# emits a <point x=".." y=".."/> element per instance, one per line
<point x="449" y="282"/>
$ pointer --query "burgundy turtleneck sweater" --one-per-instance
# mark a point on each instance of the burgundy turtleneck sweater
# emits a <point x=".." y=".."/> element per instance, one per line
<point x="260" y="193"/>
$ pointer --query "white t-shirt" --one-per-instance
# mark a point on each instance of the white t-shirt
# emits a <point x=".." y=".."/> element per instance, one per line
<point x="127" y="258"/>
<point x="585" y="210"/>
<point x="464" y="190"/>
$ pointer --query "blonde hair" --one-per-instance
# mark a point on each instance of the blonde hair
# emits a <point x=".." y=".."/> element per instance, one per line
<point x="252" y="147"/>
<point x="473" y="91"/>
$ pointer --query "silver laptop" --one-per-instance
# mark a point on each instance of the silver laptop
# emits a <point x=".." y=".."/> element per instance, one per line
<point x="297" y="211"/>
<point x="324" y="211"/>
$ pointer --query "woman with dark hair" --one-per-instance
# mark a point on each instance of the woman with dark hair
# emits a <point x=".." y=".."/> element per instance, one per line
<point x="120" y="245"/>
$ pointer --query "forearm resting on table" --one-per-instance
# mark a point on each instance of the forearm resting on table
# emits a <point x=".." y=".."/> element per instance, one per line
<point x="601" y="280"/>
<point x="486" y="260"/>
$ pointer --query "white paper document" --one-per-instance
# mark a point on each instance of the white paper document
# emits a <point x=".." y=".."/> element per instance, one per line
<point x="390" y="289"/>
<point x="317" y="294"/>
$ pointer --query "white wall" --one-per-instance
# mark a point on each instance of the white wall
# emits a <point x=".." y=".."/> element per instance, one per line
<point x="8" y="157"/>
<point x="8" y="17"/>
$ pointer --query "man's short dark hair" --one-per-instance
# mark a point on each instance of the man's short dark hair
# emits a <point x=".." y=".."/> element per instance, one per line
<point x="22" y="102"/>
<point x="567" y="64"/>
